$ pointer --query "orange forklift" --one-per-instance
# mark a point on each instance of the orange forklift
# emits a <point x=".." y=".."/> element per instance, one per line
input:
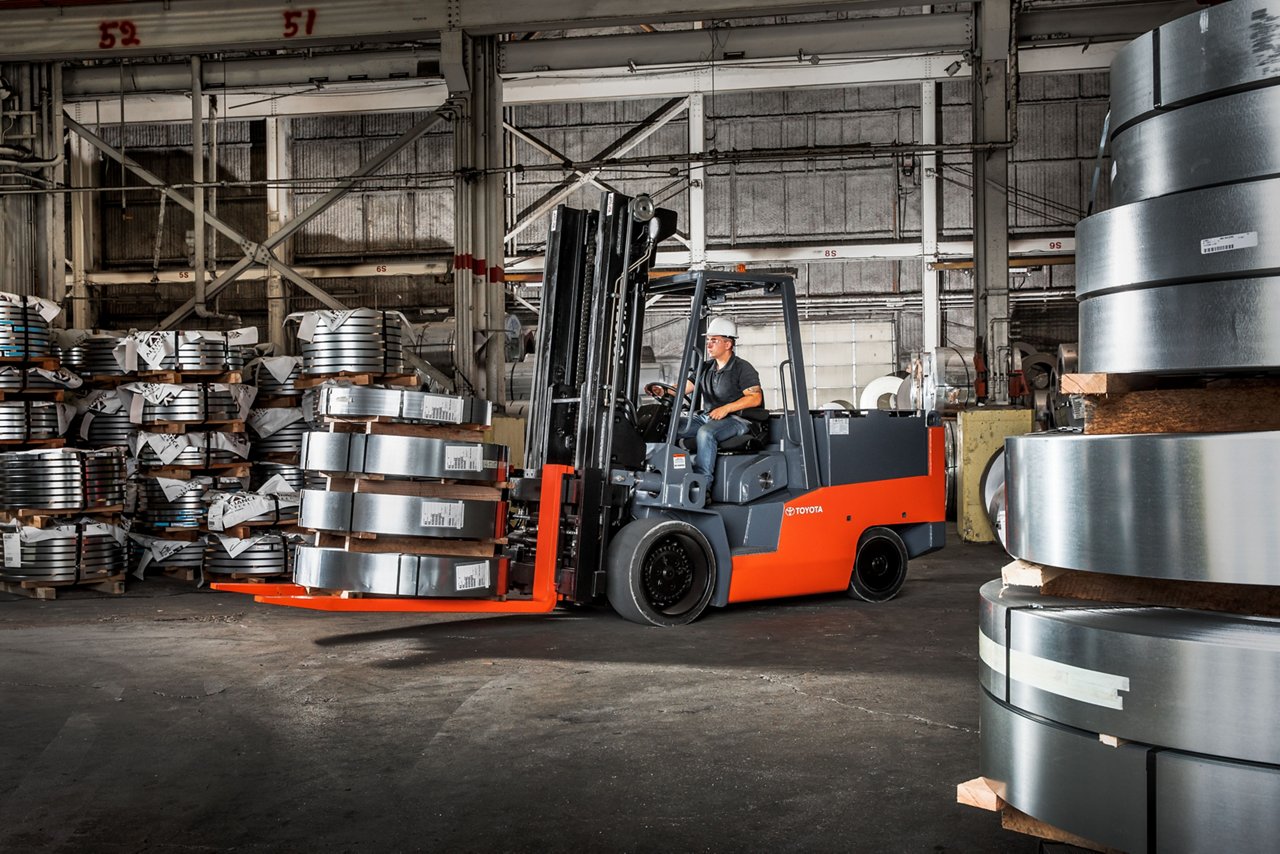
<point x="608" y="508"/>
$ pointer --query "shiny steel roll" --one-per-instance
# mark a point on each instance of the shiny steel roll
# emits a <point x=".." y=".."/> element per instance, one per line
<point x="26" y="420"/>
<point x="189" y="556"/>
<point x="1177" y="505"/>
<point x="1197" y="55"/>
<point x="343" y="401"/>
<point x="260" y="473"/>
<point x="74" y="554"/>
<point x="1212" y="234"/>
<point x="195" y="403"/>
<point x="200" y="355"/>
<point x="1068" y="358"/>
<point x="286" y="440"/>
<point x="106" y="429"/>
<point x="157" y="512"/>
<point x="26" y="379"/>
<point x="24" y="334"/>
<point x="1169" y="153"/>
<point x="95" y="356"/>
<point x="1133" y="666"/>
<point x="403" y="515"/>
<point x="434" y="576"/>
<point x="1204" y="326"/>
<point x="268" y="556"/>
<point x="62" y="479"/>
<point x="404" y="456"/>
<point x="365" y="341"/>
<point x="268" y="385"/>
<point x="202" y="453"/>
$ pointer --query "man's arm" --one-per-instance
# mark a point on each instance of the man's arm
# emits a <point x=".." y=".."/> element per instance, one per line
<point x="751" y="398"/>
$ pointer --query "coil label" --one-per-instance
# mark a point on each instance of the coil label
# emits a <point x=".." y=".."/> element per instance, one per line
<point x="472" y="576"/>
<point x="442" y="514"/>
<point x="12" y="550"/>
<point x="439" y="408"/>
<point x="463" y="458"/>
<point x="1228" y="242"/>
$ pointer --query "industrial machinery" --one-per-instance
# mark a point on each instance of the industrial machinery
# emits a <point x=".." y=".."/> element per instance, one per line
<point x="608" y="507"/>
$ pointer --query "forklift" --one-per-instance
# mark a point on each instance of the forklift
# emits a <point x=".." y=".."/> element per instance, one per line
<point x="609" y="508"/>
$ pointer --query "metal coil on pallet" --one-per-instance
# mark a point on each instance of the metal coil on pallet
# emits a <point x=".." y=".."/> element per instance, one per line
<point x="196" y="402"/>
<point x="186" y="353"/>
<point x="268" y="386"/>
<point x="404" y="456"/>
<point x="293" y="475"/>
<point x="27" y="379"/>
<point x="1159" y="505"/>
<point x="286" y="440"/>
<point x="106" y="429"/>
<point x="24" y="334"/>
<point x="400" y="515"/>
<point x="71" y="554"/>
<point x="203" y="452"/>
<point x="158" y="512"/>
<point x="93" y="357"/>
<point x="62" y="479"/>
<point x="23" y="421"/>
<point x="1194" y="57"/>
<point x="419" y="407"/>
<point x="366" y="340"/>
<point x="269" y="555"/>
<point x="435" y="576"/>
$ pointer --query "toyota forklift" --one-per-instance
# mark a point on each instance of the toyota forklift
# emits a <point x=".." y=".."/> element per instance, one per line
<point x="609" y="509"/>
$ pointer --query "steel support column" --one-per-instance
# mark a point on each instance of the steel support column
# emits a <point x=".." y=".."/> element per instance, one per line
<point x="991" y="109"/>
<point x="84" y="223"/>
<point x="697" y="186"/>
<point x="930" y="199"/>
<point x="279" y="206"/>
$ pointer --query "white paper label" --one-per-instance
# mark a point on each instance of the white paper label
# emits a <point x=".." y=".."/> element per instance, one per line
<point x="472" y="576"/>
<point x="236" y="443"/>
<point x="167" y="446"/>
<point x="234" y="547"/>
<point x="678" y="461"/>
<point x="441" y="408"/>
<point x="839" y="427"/>
<point x="162" y="550"/>
<point x="442" y="514"/>
<point x="174" y="489"/>
<point x="463" y="458"/>
<point x="1228" y="242"/>
<point x="246" y="337"/>
<point x="153" y="347"/>
<point x="271" y="420"/>
<point x="280" y="367"/>
<point x="12" y="550"/>
<point x="307" y="326"/>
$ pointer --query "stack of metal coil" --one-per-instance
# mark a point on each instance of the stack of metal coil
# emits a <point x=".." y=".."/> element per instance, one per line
<point x="187" y="556"/>
<point x="201" y="354"/>
<point x="24" y="334"/>
<point x="62" y="479"/>
<point x="287" y="440"/>
<point x="269" y="555"/>
<point x="94" y="356"/>
<point x="1145" y="728"/>
<point x="363" y="340"/>
<point x="25" y="420"/>
<point x="106" y="429"/>
<point x="404" y="456"/>
<point x="194" y="403"/>
<point x="15" y="379"/>
<point x="73" y="552"/>
<point x="268" y="386"/>
<point x="337" y="400"/>
<point x="203" y="450"/>
<point x="157" y="512"/>
<point x="293" y="475"/>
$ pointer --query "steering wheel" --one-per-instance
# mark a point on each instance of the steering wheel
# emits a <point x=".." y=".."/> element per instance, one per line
<point x="666" y="391"/>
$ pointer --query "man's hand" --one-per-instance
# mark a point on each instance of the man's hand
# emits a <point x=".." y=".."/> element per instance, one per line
<point x="720" y="412"/>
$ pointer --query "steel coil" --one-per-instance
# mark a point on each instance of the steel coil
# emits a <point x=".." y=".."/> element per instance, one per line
<point x="286" y="440"/>
<point x="268" y="556"/>
<point x="433" y="576"/>
<point x="202" y="354"/>
<point x="26" y="379"/>
<point x="344" y="401"/>
<point x="404" y="456"/>
<point x="401" y="515"/>
<point x="268" y="385"/>
<point x="76" y="554"/>
<point x="189" y="556"/>
<point x="194" y="403"/>
<point x="157" y="512"/>
<point x="24" y="334"/>
<point x="94" y="356"/>
<point x="62" y="479"/>
<point x="261" y="472"/>
<point x="365" y="341"/>
<point x="1177" y="505"/>
<point x="24" y="421"/>
<point x="202" y="452"/>
<point x="106" y="429"/>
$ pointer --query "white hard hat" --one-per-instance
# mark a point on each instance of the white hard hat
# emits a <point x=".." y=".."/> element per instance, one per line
<point x="722" y="326"/>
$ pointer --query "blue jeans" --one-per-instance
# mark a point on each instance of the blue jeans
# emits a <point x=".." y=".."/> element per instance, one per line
<point x="709" y="435"/>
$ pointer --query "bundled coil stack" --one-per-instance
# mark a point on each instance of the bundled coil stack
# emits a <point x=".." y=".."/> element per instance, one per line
<point x="32" y="387"/>
<point x="62" y="508"/>
<point x="278" y="422"/>
<point x="1138" y="727"/>
<point x="356" y="342"/>
<point x="413" y="502"/>
<point x="252" y="534"/>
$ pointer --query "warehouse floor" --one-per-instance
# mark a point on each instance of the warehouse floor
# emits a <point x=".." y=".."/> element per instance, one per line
<point x="176" y="720"/>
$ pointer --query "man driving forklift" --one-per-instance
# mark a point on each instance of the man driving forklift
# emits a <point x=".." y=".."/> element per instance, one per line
<point x="728" y="385"/>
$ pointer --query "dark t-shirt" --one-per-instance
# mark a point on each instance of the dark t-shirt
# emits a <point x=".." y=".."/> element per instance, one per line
<point x="728" y="383"/>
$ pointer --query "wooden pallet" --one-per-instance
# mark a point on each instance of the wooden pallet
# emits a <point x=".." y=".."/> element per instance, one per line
<point x="189" y="535"/>
<point x="276" y="401"/>
<point x="182" y="376"/>
<point x="245" y="530"/>
<point x="46" y="518"/>
<point x="220" y="425"/>
<point x="382" y="426"/>
<point x="364" y="543"/>
<point x="112" y="585"/>
<point x="23" y="444"/>
<point x="417" y="488"/>
<point x="983" y="794"/>
<point x="278" y="458"/>
<point x="188" y="472"/>
<point x="44" y="363"/>
<point x="179" y="573"/>
<point x="359" y="378"/>
<point x="57" y="395"/>
<point x="252" y="579"/>
<point x="1145" y="403"/>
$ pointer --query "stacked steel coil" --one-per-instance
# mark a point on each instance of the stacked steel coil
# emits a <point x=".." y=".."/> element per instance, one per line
<point x="436" y="576"/>
<point x="189" y="557"/>
<point x="62" y="479"/>
<point x="202" y="451"/>
<point x="73" y="552"/>
<point x="15" y="379"/>
<point x="358" y="341"/>
<point x="106" y="429"/>
<point x="194" y="403"/>
<point x="336" y="400"/>
<point x="404" y="456"/>
<point x="268" y="386"/>
<point x="269" y="555"/>
<point x="202" y="354"/>
<point x="24" y="334"/>
<point x="155" y="511"/>
<point x="93" y="357"/>
<point x="286" y="440"/>
<point x="1178" y="279"/>
<point x="262" y="472"/>
<point x="25" y="420"/>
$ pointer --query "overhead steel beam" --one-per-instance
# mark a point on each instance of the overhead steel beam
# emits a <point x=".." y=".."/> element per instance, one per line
<point x="541" y="146"/>
<point x="638" y="134"/>
<point x="373" y="270"/>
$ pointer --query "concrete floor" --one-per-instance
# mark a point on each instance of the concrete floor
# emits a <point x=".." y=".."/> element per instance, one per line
<point x="176" y="720"/>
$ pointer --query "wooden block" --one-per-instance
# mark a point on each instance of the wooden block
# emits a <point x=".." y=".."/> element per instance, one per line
<point x="189" y="472"/>
<point x="221" y="425"/>
<point x="1019" y="822"/>
<point x="1100" y="383"/>
<point x="1021" y="573"/>
<point x="415" y="488"/>
<point x="1224" y="407"/>
<point x="19" y="444"/>
<point x="979" y="793"/>
<point x="382" y="544"/>
<point x="377" y="427"/>
<point x="1111" y="740"/>
<point x="1247" y="599"/>
<point x="37" y="590"/>
<point x="46" y="363"/>
<point x="34" y="394"/>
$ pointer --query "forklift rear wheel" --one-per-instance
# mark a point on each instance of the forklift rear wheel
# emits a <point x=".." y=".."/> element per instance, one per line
<point x="662" y="572"/>
<point x="879" y="567"/>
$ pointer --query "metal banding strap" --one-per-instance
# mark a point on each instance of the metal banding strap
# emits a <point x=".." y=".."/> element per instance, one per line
<point x="404" y="515"/>
<point x="436" y="576"/>
<point x="1199" y="327"/>
<point x="404" y="456"/>
<point x="344" y="401"/>
<point x="1177" y="505"/>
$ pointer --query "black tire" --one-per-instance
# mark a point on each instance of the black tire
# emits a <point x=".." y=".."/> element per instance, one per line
<point x="879" y="567"/>
<point x="661" y="572"/>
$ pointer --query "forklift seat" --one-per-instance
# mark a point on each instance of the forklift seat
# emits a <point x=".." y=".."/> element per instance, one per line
<point x="752" y="440"/>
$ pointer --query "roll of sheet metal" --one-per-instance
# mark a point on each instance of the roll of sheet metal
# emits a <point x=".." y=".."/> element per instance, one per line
<point x="197" y="402"/>
<point x="1174" y="505"/>
<point x="189" y="556"/>
<point x="28" y="379"/>
<point x="260" y="473"/>
<point x="200" y="354"/>
<point x="1068" y="358"/>
<point x="94" y="356"/>
<point x="435" y="576"/>
<point x="268" y="556"/>
<point x="188" y="510"/>
<point x="403" y="515"/>
<point x="268" y="385"/>
<point x="72" y="553"/>
<point x="1209" y="234"/>
<point x="366" y="340"/>
<point x="26" y="420"/>
<point x="1135" y="665"/>
<point x="1167" y="153"/>
<point x="24" y="334"/>
<point x="344" y="401"/>
<point x="203" y="452"/>
<point x="62" y="479"/>
<point x="286" y="440"/>
<point x="1194" y="57"/>
<point x="106" y="429"/>
<point x="404" y="456"/>
<point x="991" y="487"/>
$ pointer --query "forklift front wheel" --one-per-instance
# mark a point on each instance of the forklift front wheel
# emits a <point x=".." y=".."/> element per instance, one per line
<point x="662" y="572"/>
<point x="879" y="567"/>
